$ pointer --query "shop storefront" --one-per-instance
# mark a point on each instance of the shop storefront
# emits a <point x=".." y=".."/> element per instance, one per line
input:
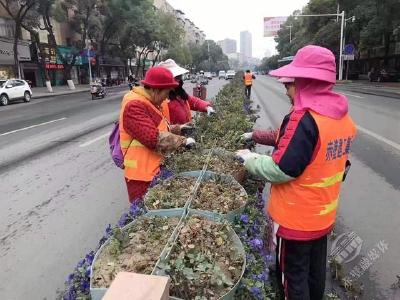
<point x="112" y="69"/>
<point x="54" y="65"/>
<point x="7" y="57"/>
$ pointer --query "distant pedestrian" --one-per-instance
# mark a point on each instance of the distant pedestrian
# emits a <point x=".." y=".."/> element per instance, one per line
<point x="306" y="170"/>
<point x="248" y="82"/>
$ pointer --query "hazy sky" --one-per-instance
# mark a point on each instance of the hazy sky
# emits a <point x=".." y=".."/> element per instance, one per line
<point x="221" y="19"/>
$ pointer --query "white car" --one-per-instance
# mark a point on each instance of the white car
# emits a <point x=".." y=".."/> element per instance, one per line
<point x="230" y="74"/>
<point x="14" y="89"/>
<point x="221" y="74"/>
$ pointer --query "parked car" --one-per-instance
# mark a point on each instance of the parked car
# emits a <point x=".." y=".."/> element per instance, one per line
<point x="221" y="74"/>
<point x="208" y="75"/>
<point x="213" y="74"/>
<point x="230" y="74"/>
<point x="14" y="89"/>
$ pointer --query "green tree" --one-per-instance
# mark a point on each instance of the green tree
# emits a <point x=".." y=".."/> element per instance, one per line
<point x="209" y="57"/>
<point x="19" y="11"/>
<point x="79" y="14"/>
<point x="181" y="54"/>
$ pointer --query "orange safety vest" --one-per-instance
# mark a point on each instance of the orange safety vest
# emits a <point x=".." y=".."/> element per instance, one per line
<point x="248" y="79"/>
<point x="166" y="112"/>
<point x="309" y="202"/>
<point x="140" y="162"/>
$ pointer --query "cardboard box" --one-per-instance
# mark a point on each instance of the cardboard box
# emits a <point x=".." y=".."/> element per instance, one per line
<point x="133" y="286"/>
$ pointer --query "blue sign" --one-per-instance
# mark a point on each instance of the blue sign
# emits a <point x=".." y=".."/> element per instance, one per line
<point x="349" y="49"/>
<point x="86" y="53"/>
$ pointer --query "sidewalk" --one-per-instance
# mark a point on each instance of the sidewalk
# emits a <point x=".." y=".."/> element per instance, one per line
<point x="42" y="92"/>
<point x="384" y="89"/>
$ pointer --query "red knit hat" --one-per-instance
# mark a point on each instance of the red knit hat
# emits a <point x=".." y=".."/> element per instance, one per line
<point x="159" y="78"/>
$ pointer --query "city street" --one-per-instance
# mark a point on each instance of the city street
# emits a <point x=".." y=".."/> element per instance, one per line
<point x="59" y="188"/>
<point x="369" y="204"/>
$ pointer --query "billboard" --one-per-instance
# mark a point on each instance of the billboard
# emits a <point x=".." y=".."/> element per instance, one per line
<point x="272" y="25"/>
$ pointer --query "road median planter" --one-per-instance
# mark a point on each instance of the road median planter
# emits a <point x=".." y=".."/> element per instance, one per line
<point x="193" y="250"/>
<point x="218" y="196"/>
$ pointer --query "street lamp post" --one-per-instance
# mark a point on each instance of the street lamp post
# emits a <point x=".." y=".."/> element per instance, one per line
<point x="90" y="67"/>
<point x="342" y="14"/>
<point x="290" y="32"/>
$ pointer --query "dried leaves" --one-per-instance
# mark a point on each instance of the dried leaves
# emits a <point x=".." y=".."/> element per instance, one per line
<point x="213" y="194"/>
<point x="204" y="264"/>
<point x="133" y="250"/>
<point x="221" y="161"/>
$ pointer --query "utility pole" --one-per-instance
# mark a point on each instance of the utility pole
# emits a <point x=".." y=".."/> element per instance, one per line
<point x="342" y="15"/>
<point x="209" y="57"/>
<point x="89" y="63"/>
<point x="290" y="33"/>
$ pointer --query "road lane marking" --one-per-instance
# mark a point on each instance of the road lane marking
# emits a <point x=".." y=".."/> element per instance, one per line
<point x="351" y="95"/>
<point x="379" y="137"/>
<point x="32" y="126"/>
<point x="88" y="143"/>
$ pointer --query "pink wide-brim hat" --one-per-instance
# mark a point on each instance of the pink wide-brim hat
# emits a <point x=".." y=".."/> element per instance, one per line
<point x="311" y="62"/>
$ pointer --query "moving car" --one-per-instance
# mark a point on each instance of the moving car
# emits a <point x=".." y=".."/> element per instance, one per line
<point x="221" y="74"/>
<point x="14" y="89"/>
<point x="230" y="74"/>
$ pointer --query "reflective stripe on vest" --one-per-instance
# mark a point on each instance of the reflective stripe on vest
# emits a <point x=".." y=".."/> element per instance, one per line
<point x="140" y="162"/>
<point x="309" y="202"/>
<point x="248" y="79"/>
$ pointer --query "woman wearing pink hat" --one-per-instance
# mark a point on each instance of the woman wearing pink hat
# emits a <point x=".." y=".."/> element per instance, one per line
<point x="145" y="132"/>
<point x="306" y="170"/>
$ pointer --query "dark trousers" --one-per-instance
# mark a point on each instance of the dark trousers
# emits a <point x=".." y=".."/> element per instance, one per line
<point x="301" y="267"/>
<point x="247" y="91"/>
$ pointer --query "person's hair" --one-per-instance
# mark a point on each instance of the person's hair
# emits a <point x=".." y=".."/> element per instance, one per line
<point x="178" y="92"/>
<point x="247" y="71"/>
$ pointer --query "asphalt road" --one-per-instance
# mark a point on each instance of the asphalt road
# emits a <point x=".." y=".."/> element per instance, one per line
<point x="370" y="200"/>
<point x="59" y="188"/>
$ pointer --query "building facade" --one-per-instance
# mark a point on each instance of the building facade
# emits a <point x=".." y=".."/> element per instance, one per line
<point x="193" y="34"/>
<point x="228" y="46"/>
<point x="246" y="44"/>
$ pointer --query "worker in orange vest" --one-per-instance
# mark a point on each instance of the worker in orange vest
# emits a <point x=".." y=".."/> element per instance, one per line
<point x="306" y="170"/>
<point x="248" y="82"/>
<point x="145" y="133"/>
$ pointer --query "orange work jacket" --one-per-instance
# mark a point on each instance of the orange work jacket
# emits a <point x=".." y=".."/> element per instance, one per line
<point x="141" y="163"/>
<point x="248" y="79"/>
<point x="309" y="202"/>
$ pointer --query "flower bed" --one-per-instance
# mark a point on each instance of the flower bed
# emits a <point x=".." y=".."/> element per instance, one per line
<point x="221" y="161"/>
<point x="135" y="248"/>
<point x="205" y="263"/>
<point x="217" y="193"/>
<point x="233" y="118"/>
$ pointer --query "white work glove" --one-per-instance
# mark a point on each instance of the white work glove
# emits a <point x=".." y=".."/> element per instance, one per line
<point x="210" y="111"/>
<point x="248" y="136"/>
<point x="190" y="142"/>
<point x="245" y="154"/>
